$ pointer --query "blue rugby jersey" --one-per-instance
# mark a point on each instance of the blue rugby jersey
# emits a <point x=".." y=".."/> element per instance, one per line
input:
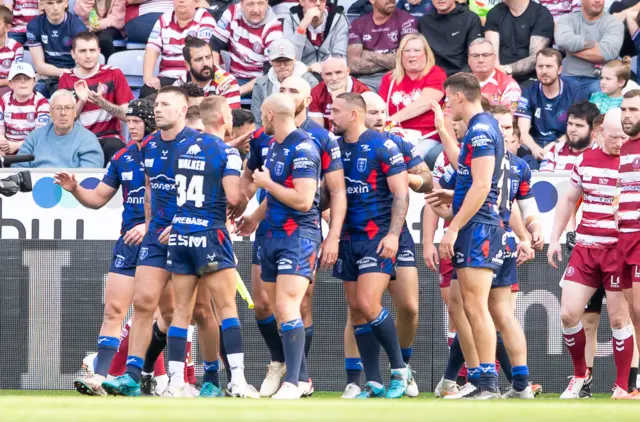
<point x="258" y="150"/>
<point x="328" y="144"/>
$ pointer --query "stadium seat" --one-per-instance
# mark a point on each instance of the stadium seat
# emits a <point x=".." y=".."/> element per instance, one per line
<point x="101" y="60"/>
<point x="130" y="62"/>
<point x="226" y="58"/>
<point x="135" y="46"/>
<point x="119" y="43"/>
<point x="634" y="64"/>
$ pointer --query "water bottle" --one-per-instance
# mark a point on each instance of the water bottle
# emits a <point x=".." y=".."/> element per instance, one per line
<point x="93" y="18"/>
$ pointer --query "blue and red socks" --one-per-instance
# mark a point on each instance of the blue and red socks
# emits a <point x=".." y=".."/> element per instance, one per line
<point x="177" y="345"/>
<point x="293" y="344"/>
<point x="211" y="372"/>
<point x="269" y="330"/>
<point x="107" y="348"/>
<point x="369" y="349"/>
<point x="353" y="367"/>
<point x="384" y="330"/>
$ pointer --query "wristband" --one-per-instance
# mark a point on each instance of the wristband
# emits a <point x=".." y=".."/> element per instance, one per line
<point x="301" y="31"/>
<point x="532" y="223"/>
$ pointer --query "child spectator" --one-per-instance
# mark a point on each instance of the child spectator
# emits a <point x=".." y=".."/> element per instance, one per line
<point x="613" y="79"/>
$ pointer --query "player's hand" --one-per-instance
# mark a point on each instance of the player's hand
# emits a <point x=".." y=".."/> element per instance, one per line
<point x="236" y="212"/>
<point x="438" y="197"/>
<point x="164" y="236"/>
<point x="152" y="82"/>
<point x="135" y="235"/>
<point x="388" y="246"/>
<point x="537" y="238"/>
<point x="96" y="96"/>
<point x="525" y="253"/>
<point x="430" y="254"/>
<point x="438" y="115"/>
<point x="241" y="143"/>
<point x="67" y="181"/>
<point x="329" y="250"/>
<point x="5" y="146"/>
<point x="246" y="225"/>
<point x="447" y="242"/>
<point x="262" y="177"/>
<point x="553" y="252"/>
<point x="82" y="90"/>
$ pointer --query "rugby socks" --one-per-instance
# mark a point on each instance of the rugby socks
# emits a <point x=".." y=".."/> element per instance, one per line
<point x="189" y="368"/>
<point x="623" y="354"/>
<point x="293" y="345"/>
<point x="407" y="352"/>
<point x="177" y="342"/>
<point x="633" y="377"/>
<point x="353" y="366"/>
<point x="120" y="359"/>
<point x="223" y="355"/>
<point x="308" y="337"/>
<point x="455" y="362"/>
<point x="520" y="377"/>
<point x="157" y="345"/>
<point x="134" y="367"/>
<point x="232" y="339"/>
<point x="450" y="337"/>
<point x="304" y="371"/>
<point x="211" y="372"/>
<point x="473" y="375"/>
<point x="107" y="348"/>
<point x="576" y="340"/>
<point x="269" y="329"/>
<point x="488" y="380"/>
<point x="369" y="349"/>
<point x="503" y="358"/>
<point x="385" y="332"/>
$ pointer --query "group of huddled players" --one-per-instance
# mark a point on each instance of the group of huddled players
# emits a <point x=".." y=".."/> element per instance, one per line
<point x="184" y="190"/>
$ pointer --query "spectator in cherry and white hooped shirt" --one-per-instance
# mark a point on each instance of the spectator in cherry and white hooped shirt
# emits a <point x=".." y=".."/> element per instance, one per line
<point x="102" y="92"/>
<point x="246" y="30"/>
<point x="140" y="17"/>
<point x="24" y="11"/>
<point x="167" y="40"/>
<point x="11" y="51"/>
<point x="21" y="110"/>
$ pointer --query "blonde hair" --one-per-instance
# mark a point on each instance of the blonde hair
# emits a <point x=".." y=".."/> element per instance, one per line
<point x="622" y="68"/>
<point x="397" y="74"/>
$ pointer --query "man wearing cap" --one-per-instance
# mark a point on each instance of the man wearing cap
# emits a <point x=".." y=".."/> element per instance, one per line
<point x="282" y="57"/>
<point x="21" y="110"/>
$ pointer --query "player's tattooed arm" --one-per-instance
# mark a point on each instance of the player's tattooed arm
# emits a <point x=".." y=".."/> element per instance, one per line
<point x="361" y="62"/>
<point x="526" y="65"/>
<point x="420" y="178"/>
<point x="400" y="203"/>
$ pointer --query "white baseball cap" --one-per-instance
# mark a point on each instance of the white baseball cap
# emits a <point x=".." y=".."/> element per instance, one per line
<point x="282" y="48"/>
<point x="21" y="68"/>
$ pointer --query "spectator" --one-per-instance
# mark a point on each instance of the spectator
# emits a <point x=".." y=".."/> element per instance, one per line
<point x="21" y="110"/>
<point x="246" y="31"/>
<point x="141" y="16"/>
<point x="580" y="137"/>
<point x="243" y="126"/>
<point x="416" y="8"/>
<point x="193" y="119"/>
<point x="49" y="40"/>
<point x="589" y="38"/>
<point x="102" y="93"/>
<point x="11" y="51"/>
<point x="633" y="24"/>
<point x="623" y="11"/>
<point x="109" y="24"/>
<point x="374" y="40"/>
<point x="409" y="91"/>
<point x="497" y="86"/>
<point x="281" y="8"/>
<point x="318" y="31"/>
<point x="195" y="94"/>
<point x="282" y="56"/>
<point x="217" y="7"/>
<point x="519" y="30"/>
<point x="63" y="142"/>
<point x="614" y="78"/>
<point x="543" y="107"/>
<point x="482" y="8"/>
<point x="167" y="40"/>
<point x="24" y="11"/>
<point x="560" y="7"/>
<point x="335" y="81"/>
<point x="449" y="28"/>
<point x="201" y="71"/>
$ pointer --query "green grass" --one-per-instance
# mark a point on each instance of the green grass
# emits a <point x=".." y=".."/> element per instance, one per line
<point x="69" y="406"/>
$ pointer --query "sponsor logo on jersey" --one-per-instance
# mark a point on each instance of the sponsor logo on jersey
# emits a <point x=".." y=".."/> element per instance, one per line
<point x="367" y="262"/>
<point x="189" y="241"/>
<point x="358" y="188"/>
<point x="285" y="264"/>
<point x="191" y="221"/>
<point x="193" y="150"/>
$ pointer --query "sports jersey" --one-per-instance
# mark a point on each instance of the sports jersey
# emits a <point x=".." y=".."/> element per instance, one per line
<point x="415" y="10"/>
<point x="560" y="157"/>
<point x="385" y="38"/>
<point x="518" y="185"/>
<point x="629" y="175"/>
<point x="24" y="11"/>
<point x="168" y="38"/>
<point x="126" y="170"/>
<point x="443" y="172"/>
<point x="409" y="152"/>
<point x="482" y="139"/>
<point x="297" y="157"/>
<point x="199" y="166"/>
<point x="327" y="143"/>
<point x="258" y="150"/>
<point x="596" y="172"/>
<point x="367" y="165"/>
<point x="20" y="118"/>
<point x="321" y="99"/>
<point x="55" y="40"/>
<point x="157" y="157"/>
<point x="115" y="89"/>
<point x="246" y="43"/>
<point x="501" y="88"/>
<point x="11" y="52"/>
<point x="560" y="7"/>
<point x="223" y="84"/>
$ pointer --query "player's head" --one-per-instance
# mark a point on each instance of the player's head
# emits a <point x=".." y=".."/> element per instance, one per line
<point x="376" y="117"/>
<point x="482" y="58"/>
<point x="631" y="113"/>
<point x="335" y="73"/>
<point x="216" y="115"/>
<point x="22" y="80"/>
<point x="85" y="49"/>
<point x="195" y="94"/>
<point x="299" y="90"/>
<point x="461" y="89"/>
<point x="580" y="124"/>
<point x="348" y="110"/>
<point x="614" y="136"/>
<point x="254" y="11"/>
<point x="460" y="128"/>
<point x="63" y="111"/>
<point x="198" y="58"/>
<point x="243" y="123"/>
<point x="140" y="119"/>
<point x="6" y="19"/>
<point x="615" y="75"/>
<point x="548" y="66"/>
<point x="276" y="110"/>
<point x="193" y="120"/>
<point x="384" y="7"/>
<point x="170" y="107"/>
<point x="505" y="119"/>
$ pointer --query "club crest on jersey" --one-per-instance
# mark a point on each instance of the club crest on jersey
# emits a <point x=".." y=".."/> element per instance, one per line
<point x="362" y="164"/>
<point x="193" y="150"/>
<point x="257" y="48"/>
<point x="636" y="163"/>
<point x="31" y="117"/>
<point x="279" y="168"/>
<point x="571" y="271"/>
<point x="6" y="63"/>
<point x="119" y="261"/>
<point x="143" y="253"/>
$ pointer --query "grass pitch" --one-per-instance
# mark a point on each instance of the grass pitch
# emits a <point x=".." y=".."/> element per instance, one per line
<point x="69" y="406"/>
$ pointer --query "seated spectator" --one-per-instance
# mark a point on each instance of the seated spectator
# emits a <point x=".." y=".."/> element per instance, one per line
<point x="11" y="51"/>
<point x="107" y="23"/>
<point x="246" y="30"/>
<point x="243" y="126"/>
<point x="409" y="91"/>
<point x="193" y="119"/>
<point x="49" y="40"/>
<point x="374" y="39"/>
<point x="21" y="110"/>
<point x="217" y="7"/>
<point x="560" y="8"/>
<point x="318" y="31"/>
<point x="482" y="8"/>
<point x="141" y="16"/>
<point x="613" y="80"/>
<point x="102" y="91"/>
<point x="282" y="7"/>
<point x="335" y="81"/>
<point x="497" y="86"/>
<point x="580" y="137"/>
<point x="449" y="28"/>
<point x="623" y="10"/>
<point x="589" y="38"/>
<point x="195" y="94"/>
<point x="543" y="107"/>
<point x="518" y="30"/>
<point x="201" y="71"/>
<point x="63" y="143"/>
<point x="282" y="56"/>
<point x="24" y="11"/>
<point x="167" y="40"/>
<point x="416" y="8"/>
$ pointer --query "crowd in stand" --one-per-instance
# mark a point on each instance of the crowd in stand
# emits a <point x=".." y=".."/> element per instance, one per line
<point x="538" y="58"/>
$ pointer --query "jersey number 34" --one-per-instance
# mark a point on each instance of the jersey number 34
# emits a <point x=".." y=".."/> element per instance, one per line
<point x="190" y="190"/>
